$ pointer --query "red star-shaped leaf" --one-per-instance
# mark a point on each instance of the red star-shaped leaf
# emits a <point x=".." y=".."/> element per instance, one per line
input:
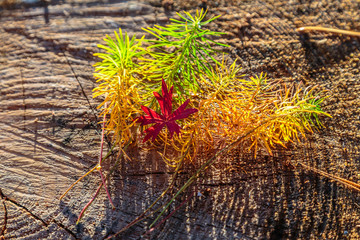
<point x="167" y="118"/>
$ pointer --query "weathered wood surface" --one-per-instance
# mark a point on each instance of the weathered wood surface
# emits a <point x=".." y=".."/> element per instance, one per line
<point x="49" y="136"/>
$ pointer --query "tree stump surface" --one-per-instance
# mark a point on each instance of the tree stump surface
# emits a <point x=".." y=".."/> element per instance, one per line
<point x="49" y="134"/>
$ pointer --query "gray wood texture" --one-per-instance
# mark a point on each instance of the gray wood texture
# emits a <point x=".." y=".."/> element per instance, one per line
<point x="49" y="134"/>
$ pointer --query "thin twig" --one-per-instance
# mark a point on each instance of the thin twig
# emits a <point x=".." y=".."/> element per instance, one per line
<point x="347" y="183"/>
<point x="168" y="216"/>
<point x="328" y="30"/>
<point x="106" y="189"/>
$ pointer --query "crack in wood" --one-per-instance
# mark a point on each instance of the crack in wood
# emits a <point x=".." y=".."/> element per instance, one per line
<point x="50" y="147"/>
<point x="65" y="228"/>
<point x="46" y="224"/>
<point x="5" y="198"/>
<point x="84" y="93"/>
<point x="86" y="97"/>
<point x="82" y="88"/>
<point x="62" y="47"/>
<point x="261" y="42"/>
<point x="3" y="230"/>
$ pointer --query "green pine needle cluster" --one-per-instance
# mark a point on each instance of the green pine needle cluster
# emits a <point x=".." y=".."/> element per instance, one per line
<point x="180" y="53"/>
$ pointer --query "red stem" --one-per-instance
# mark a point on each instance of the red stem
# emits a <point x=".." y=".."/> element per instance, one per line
<point x="98" y="190"/>
<point x="88" y="204"/>
<point x="101" y="174"/>
<point x="100" y="159"/>
<point x="107" y="192"/>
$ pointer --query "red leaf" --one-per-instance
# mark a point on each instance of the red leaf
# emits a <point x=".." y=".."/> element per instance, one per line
<point x="153" y="131"/>
<point x="173" y="127"/>
<point x="167" y="118"/>
<point x="165" y="100"/>
<point x="181" y="113"/>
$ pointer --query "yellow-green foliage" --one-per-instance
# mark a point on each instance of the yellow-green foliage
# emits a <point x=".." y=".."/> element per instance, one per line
<point x="229" y="105"/>
<point x="119" y="85"/>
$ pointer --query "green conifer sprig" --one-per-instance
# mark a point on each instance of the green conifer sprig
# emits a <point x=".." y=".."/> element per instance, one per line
<point x="180" y="53"/>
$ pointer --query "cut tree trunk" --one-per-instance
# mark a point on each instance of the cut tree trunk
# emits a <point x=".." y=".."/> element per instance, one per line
<point x="49" y="132"/>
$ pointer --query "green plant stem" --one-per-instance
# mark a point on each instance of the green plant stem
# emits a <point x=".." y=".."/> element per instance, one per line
<point x="185" y="46"/>
<point x="172" y="213"/>
<point x="194" y="176"/>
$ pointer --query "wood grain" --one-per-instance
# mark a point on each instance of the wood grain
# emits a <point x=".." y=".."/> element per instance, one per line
<point x="49" y="134"/>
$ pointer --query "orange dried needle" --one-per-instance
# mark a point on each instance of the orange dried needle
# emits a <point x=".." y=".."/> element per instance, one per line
<point x="328" y="30"/>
